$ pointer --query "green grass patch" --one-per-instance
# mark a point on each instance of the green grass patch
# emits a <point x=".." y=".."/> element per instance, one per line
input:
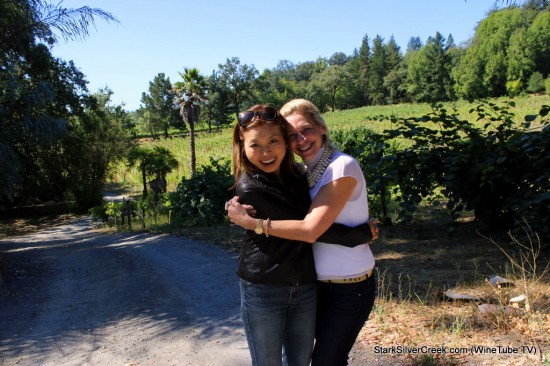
<point x="217" y="144"/>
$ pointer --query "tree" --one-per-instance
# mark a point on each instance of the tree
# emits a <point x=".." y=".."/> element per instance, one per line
<point x="414" y="44"/>
<point x="97" y="140"/>
<point x="38" y="94"/>
<point x="364" y="67"/>
<point x="329" y="82"/>
<point x="217" y="108"/>
<point x="304" y="71"/>
<point x="538" y="34"/>
<point x="351" y="95"/>
<point x="429" y="78"/>
<point x="520" y="65"/>
<point x="190" y="96"/>
<point x="25" y="20"/>
<point x="338" y="58"/>
<point x="279" y="85"/>
<point x="395" y="76"/>
<point x="159" y="104"/>
<point x="377" y="72"/>
<point x="237" y="80"/>
<point x="483" y="70"/>
<point x="154" y="164"/>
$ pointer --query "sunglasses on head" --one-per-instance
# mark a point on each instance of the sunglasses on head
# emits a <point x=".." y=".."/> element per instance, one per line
<point x="266" y="113"/>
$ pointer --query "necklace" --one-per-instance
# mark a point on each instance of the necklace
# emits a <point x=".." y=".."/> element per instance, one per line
<point x="314" y="174"/>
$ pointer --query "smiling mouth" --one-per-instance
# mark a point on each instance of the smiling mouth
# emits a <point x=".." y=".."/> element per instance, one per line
<point x="306" y="148"/>
<point x="268" y="162"/>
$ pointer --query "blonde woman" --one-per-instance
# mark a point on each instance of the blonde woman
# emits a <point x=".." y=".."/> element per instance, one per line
<point x="345" y="272"/>
<point x="277" y="275"/>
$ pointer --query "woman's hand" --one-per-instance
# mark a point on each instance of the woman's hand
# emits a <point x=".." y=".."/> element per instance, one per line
<point x="241" y="215"/>
<point x="375" y="230"/>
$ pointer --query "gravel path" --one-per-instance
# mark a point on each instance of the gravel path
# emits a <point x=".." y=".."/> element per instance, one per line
<point x="81" y="297"/>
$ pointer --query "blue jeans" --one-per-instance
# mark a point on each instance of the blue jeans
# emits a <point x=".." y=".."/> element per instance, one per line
<point x="342" y="310"/>
<point x="279" y="319"/>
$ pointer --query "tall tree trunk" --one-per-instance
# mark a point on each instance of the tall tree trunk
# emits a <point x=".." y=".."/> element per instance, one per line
<point x="192" y="146"/>
<point x="144" y="178"/>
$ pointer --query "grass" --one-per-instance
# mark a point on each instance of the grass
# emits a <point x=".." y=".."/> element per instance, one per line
<point x="412" y="311"/>
<point x="217" y="144"/>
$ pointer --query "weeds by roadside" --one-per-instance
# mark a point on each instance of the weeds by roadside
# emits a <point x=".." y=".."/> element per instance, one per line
<point x="419" y="325"/>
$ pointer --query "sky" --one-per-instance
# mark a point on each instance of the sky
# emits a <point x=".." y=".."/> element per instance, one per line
<point x="166" y="36"/>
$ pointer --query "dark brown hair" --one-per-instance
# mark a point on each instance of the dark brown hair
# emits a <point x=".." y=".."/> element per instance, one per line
<point x="241" y="163"/>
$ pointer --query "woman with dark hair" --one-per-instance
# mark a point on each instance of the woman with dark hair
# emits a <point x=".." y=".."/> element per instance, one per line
<point x="345" y="272"/>
<point x="277" y="275"/>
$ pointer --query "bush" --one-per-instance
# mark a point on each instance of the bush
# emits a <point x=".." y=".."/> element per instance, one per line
<point x="199" y="200"/>
<point x="368" y="148"/>
<point x="110" y="214"/>
<point x="499" y="171"/>
<point x="535" y="83"/>
<point x="514" y="87"/>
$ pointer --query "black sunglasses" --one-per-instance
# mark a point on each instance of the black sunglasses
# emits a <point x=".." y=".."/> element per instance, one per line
<point x="266" y="113"/>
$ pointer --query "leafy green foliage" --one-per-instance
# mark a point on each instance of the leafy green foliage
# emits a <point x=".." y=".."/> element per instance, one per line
<point x="199" y="200"/>
<point x="429" y="72"/>
<point x="41" y="101"/>
<point x="154" y="164"/>
<point x="237" y="80"/>
<point x="536" y="83"/>
<point x="95" y="142"/>
<point x="368" y="147"/>
<point x="499" y="171"/>
<point x="158" y="113"/>
<point x="509" y="45"/>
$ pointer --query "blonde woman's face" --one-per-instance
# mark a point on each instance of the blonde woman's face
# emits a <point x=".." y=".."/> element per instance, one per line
<point x="305" y="137"/>
<point x="265" y="147"/>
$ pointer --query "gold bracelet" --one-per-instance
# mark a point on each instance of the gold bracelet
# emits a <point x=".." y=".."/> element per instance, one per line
<point x="259" y="227"/>
<point x="267" y="223"/>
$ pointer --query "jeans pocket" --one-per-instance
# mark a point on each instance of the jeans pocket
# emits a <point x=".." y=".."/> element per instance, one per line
<point x="246" y="284"/>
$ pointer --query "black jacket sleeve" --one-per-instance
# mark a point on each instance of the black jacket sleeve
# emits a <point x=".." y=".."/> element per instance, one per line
<point x="346" y="235"/>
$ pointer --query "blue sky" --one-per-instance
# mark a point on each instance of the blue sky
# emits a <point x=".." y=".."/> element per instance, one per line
<point x="168" y="35"/>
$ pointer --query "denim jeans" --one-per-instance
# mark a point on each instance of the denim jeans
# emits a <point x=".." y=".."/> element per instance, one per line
<point x="342" y="310"/>
<point x="279" y="319"/>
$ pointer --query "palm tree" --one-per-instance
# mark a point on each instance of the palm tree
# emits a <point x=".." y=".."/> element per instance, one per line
<point x="156" y="163"/>
<point x="190" y="95"/>
<point x="141" y="157"/>
<point x="39" y="19"/>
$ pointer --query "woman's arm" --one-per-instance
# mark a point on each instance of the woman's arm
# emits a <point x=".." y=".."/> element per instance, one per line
<point x="325" y="208"/>
<point x="349" y="236"/>
<point x="354" y="235"/>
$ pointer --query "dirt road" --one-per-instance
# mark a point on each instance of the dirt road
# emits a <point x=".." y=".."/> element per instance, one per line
<point x="81" y="297"/>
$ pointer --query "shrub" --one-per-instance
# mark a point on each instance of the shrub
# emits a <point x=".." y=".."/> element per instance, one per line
<point x="199" y="200"/>
<point x="535" y="83"/>
<point x="110" y="214"/>
<point x="514" y="87"/>
<point x="499" y="171"/>
<point x="368" y="148"/>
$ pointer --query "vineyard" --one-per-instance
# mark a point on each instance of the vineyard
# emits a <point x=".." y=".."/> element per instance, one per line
<point x="217" y="144"/>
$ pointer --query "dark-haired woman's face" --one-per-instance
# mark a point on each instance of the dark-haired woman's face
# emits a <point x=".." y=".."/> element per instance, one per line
<point x="265" y="147"/>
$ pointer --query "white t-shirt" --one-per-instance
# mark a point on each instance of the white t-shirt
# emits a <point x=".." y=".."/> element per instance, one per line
<point x="336" y="261"/>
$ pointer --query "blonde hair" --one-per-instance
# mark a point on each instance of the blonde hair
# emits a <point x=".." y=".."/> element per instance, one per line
<point x="310" y="112"/>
